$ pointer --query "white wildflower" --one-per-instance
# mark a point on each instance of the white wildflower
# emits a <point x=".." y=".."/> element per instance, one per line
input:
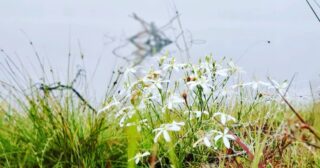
<point x="205" y="139"/>
<point x="203" y="82"/>
<point x="197" y="114"/>
<point x="125" y="113"/>
<point x="224" y="118"/>
<point x="254" y="85"/>
<point x="164" y="128"/>
<point x="174" y="100"/>
<point x="219" y="71"/>
<point x="139" y="124"/>
<point x="205" y="67"/>
<point x="222" y="72"/>
<point x="115" y="103"/>
<point x="130" y="71"/>
<point x="139" y="156"/>
<point x="282" y="87"/>
<point x="233" y="68"/>
<point x="225" y="137"/>
<point x="154" y="79"/>
<point x="173" y="66"/>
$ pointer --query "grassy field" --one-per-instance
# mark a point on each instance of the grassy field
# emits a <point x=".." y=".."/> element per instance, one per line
<point x="175" y="115"/>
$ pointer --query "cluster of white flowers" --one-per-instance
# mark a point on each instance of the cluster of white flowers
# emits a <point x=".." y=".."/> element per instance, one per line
<point x="174" y="100"/>
<point x="257" y="85"/>
<point x="187" y="90"/>
<point x="208" y="137"/>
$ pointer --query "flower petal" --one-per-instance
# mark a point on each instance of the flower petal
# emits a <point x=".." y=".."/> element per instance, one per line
<point x="223" y="119"/>
<point x="231" y="118"/>
<point x="226" y="142"/>
<point x="216" y="138"/>
<point x="206" y="142"/>
<point x="137" y="160"/>
<point x="166" y="136"/>
<point x="145" y="154"/>
<point x="226" y="131"/>
<point x="230" y="137"/>
<point x="157" y="137"/>
<point x="173" y="128"/>
<point x="196" y="143"/>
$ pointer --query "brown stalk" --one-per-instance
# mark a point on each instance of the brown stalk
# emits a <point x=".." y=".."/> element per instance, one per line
<point x="243" y="146"/>
<point x="305" y="124"/>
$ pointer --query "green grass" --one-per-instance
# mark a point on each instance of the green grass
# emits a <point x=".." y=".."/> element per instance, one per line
<point x="55" y="128"/>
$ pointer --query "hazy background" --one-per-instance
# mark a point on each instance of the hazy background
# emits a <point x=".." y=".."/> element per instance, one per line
<point x="229" y="28"/>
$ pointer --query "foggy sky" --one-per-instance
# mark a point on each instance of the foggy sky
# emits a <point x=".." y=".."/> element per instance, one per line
<point x="230" y="28"/>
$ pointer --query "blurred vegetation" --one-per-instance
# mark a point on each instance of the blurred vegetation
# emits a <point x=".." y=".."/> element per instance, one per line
<point x="57" y="129"/>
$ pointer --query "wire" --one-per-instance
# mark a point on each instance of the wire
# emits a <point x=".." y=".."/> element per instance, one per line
<point x="317" y="3"/>
<point x="314" y="12"/>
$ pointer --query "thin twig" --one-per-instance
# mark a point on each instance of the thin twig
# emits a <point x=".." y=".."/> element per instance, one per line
<point x="305" y="124"/>
<point x="60" y="86"/>
<point x="183" y="36"/>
